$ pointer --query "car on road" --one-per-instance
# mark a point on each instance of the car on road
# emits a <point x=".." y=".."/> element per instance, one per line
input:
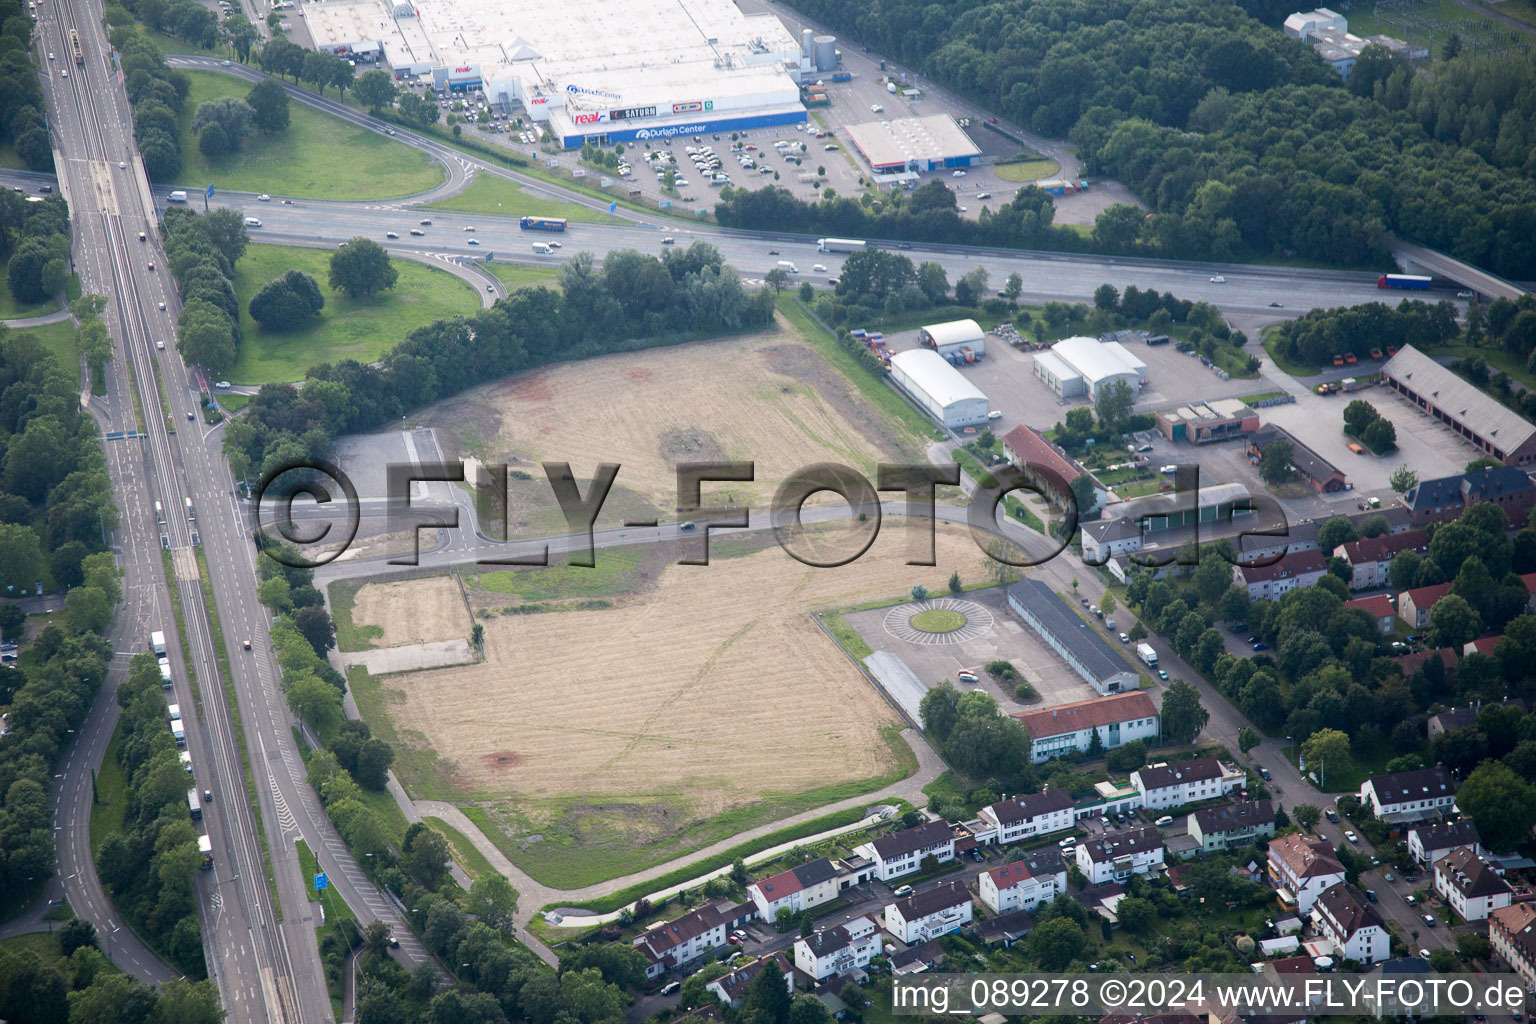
<point x="957" y="174"/>
<point x="247" y="645"/>
<point x="263" y="198"/>
<point x="1261" y="646"/>
<point x="162" y="307"/>
<point x="467" y="227"/>
<point x="417" y="232"/>
<point x="1459" y="295"/>
<point x="390" y="234"/>
<point x="63" y="73"/>
<point x="207" y="796"/>
<point x="983" y="195"/>
<point x="474" y="241"/>
<point x="965" y="675"/>
<point x="1068" y="842"/>
<point x="669" y="240"/>
<point x="669" y="988"/>
<point x="1333" y="815"/>
<point x="773" y="252"/>
<point x="1125" y="638"/>
<point x="1424" y="953"/>
<point x="151" y="266"/>
<point x="223" y="385"/>
<point x="1370" y="894"/>
<point x="50" y="56"/>
<point x="142" y="236"/>
<point x="1429" y="920"/>
<point x="819" y="268"/>
<point x="1166" y="819"/>
<point x="1387" y="877"/>
<point x="1275" y="305"/>
<point x="1264" y="774"/>
<point x="425" y="223"/>
<point x="902" y="892"/>
<point x="1350" y="835"/>
<point x="994" y="415"/>
<point x="1218" y="279"/>
<point x="1144" y="448"/>
<point x="1162" y="675"/>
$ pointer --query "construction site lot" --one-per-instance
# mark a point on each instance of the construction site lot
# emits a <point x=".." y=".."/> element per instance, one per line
<point x="768" y="399"/>
<point x="658" y="708"/>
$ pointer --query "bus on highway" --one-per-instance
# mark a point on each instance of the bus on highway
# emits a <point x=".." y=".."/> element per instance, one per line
<point x="542" y="223"/>
<point x="74" y="44"/>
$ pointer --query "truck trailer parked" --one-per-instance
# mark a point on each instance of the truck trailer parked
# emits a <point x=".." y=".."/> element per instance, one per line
<point x="840" y="245"/>
<point x="1147" y="655"/>
<point x="157" y="642"/>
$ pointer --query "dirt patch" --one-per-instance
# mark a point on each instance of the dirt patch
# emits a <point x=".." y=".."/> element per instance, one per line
<point x="711" y="691"/>
<point x="412" y="611"/>
<point x="689" y="446"/>
<point x="803" y="363"/>
<point x="501" y="760"/>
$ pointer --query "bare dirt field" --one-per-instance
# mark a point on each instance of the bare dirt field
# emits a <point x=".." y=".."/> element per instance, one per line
<point x="769" y="399"/>
<point x="636" y="727"/>
<point x="413" y="612"/>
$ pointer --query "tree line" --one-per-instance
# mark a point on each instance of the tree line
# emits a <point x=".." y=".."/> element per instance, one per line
<point x="635" y="301"/>
<point x="84" y="988"/>
<point x="22" y="120"/>
<point x="201" y="251"/>
<point x="35" y="236"/>
<point x="1320" y="334"/>
<point x="157" y="95"/>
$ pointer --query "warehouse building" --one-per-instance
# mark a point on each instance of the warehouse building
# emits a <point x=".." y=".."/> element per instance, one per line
<point x="1069" y="635"/>
<point x="1204" y="422"/>
<point x="952" y="339"/>
<point x="939" y="389"/>
<point x="1082" y="366"/>
<point x="1165" y="521"/>
<point x="1480" y="419"/>
<point x="602" y="73"/>
<point x="1320" y="474"/>
<point x="913" y="144"/>
<point x="1049" y="468"/>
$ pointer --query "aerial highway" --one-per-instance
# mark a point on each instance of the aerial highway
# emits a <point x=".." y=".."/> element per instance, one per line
<point x="261" y="950"/>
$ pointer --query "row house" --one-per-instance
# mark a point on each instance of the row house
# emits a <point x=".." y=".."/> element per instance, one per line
<point x="800" y="888"/>
<point x="676" y="942"/>
<point x="1024" y="884"/>
<point x="1413" y="606"/>
<point x="1471" y="885"/>
<point x="929" y="914"/>
<point x="1445" y="498"/>
<point x="1512" y="931"/>
<point x="1174" y="785"/>
<point x="1382" y="610"/>
<point x="1465" y="716"/>
<point x="1370" y="558"/>
<point x="730" y="988"/>
<point x="1294" y="571"/>
<point x="1025" y="817"/>
<point x="902" y="853"/>
<point x="1410" y="796"/>
<point x="1428" y="843"/>
<point x="1303" y="868"/>
<point x="1116" y="856"/>
<point x="1344" y="917"/>
<point x="1227" y="825"/>
<point x="839" y="951"/>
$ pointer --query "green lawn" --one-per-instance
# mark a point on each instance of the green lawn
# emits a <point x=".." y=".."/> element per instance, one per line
<point x="1496" y="358"/>
<point x="847" y="637"/>
<point x="520" y="275"/>
<point x="1028" y="170"/>
<point x="10" y="309"/>
<point x="8" y="157"/>
<point x="44" y="944"/>
<point x="336" y="908"/>
<point x="234" y="403"/>
<point x="349" y="636"/>
<point x="318" y="156"/>
<point x="111" y="795"/>
<point x="464" y="851"/>
<point x="492" y="195"/>
<point x="1428" y="21"/>
<point x="59" y="339"/>
<point x="559" y="580"/>
<point x="362" y="329"/>
<point x="1290" y="366"/>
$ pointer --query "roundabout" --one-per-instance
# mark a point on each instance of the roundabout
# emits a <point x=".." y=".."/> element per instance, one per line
<point x="938" y="621"/>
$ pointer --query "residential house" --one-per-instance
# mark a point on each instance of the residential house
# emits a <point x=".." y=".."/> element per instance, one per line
<point x="916" y="959"/>
<point x="1116" y="856"/>
<point x="1411" y="663"/>
<point x="901" y="853"/>
<point x="841" y="950"/>
<point x="1117" y="719"/>
<point x="1025" y="817"/>
<point x="1512" y="930"/>
<point x="1024" y="884"/>
<point x="1005" y="928"/>
<point x="676" y="942"/>
<point x="730" y="988"/>
<point x="1471" y="885"/>
<point x="1174" y="785"/>
<point x="1413" y="606"/>
<point x="1302" y="868"/>
<point x="1048" y="468"/>
<point x="929" y="914"/>
<point x="1465" y="715"/>
<point x="1370" y="558"/>
<point x="800" y="888"/>
<point x="1445" y="498"/>
<point x="1344" y="917"/>
<point x="1410" y="796"/>
<point x="1381" y="608"/>
<point x="1294" y="571"/>
<point x="1227" y="825"/>
<point x="1428" y="843"/>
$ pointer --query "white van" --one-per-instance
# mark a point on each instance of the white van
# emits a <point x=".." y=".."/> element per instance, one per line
<point x="875" y="108"/>
<point x="542" y="249"/>
<point x="175" y="712"/>
<point x="252" y="222"/>
<point x="788" y="267"/>
<point x="177" y="197"/>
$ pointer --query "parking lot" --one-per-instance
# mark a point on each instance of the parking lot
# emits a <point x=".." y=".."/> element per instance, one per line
<point x="1008" y="639"/>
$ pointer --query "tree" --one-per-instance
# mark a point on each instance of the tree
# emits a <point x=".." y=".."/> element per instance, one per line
<point x="1247" y="738"/>
<point x="1136" y="915"/>
<point x="1500" y="803"/>
<point x="493" y="900"/>
<point x="1358" y="415"/>
<point x="286" y="302"/>
<point x="1473" y="946"/>
<point x="374" y="756"/>
<point x="1453" y="622"/>
<point x="418" y="111"/>
<point x="933" y="280"/>
<point x="919" y="592"/>
<point x="1014" y="287"/>
<point x="1380" y="436"/>
<point x="1275" y="462"/>
<point x="955" y="586"/>
<point x="21" y="553"/>
<point x="206" y="336"/>
<point x="231" y="113"/>
<point x="362" y="267"/>
<point x="1402" y="478"/>
<point x="1306" y="815"/>
<point x="1114" y="404"/>
<point x="1183" y="714"/>
<point x="1106" y="297"/>
<point x="1056" y="943"/>
<point x="76" y="933"/>
<point x="777" y="279"/>
<point x="316" y="625"/>
<point x="426" y="856"/>
<point x="1328" y="750"/>
<point x="938" y="711"/>
<point x="766" y="1000"/>
<point x="1335" y="531"/>
<point x="268" y="101"/>
<point x="375" y="90"/>
<point x="241" y="34"/>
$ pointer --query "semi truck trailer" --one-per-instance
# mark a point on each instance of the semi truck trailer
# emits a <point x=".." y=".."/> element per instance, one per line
<point x="840" y="245"/>
<point x="1414" y="281"/>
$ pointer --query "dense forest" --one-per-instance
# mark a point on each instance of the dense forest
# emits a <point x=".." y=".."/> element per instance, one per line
<point x="1241" y="141"/>
<point x="22" y="121"/>
<point x="635" y="300"/>
<point x="84" y="988"/>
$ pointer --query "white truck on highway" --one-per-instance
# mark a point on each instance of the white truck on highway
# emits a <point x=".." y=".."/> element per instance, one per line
<point x="177" y="197"/>
<point x="840" y="245"/>
<point x="1147" y="655"/>
<point x="179" y="734"/>
<point x="157" y="642"/>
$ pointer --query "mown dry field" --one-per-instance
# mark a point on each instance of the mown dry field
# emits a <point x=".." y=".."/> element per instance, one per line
<point x="412" y="612"/>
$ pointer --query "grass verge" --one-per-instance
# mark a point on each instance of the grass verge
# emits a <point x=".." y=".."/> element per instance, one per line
<point x="1290" y="366"/>
<point x="349" y="636"/>
<point x="347" y="328"/>
<point x="57" y="338"/>
<point x="303" y="159"/>
<point x="470" y="859"/>
<point x="846" y="636"/>
<point x="11" y="309"/>
<point x="336" y="908"/>
<point x="496" y="196"/>
<point x="111" y="795"/>
<point x="1027" y="170"/>
<point x="216" y="631"/>
<point x="520" y="275"/>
